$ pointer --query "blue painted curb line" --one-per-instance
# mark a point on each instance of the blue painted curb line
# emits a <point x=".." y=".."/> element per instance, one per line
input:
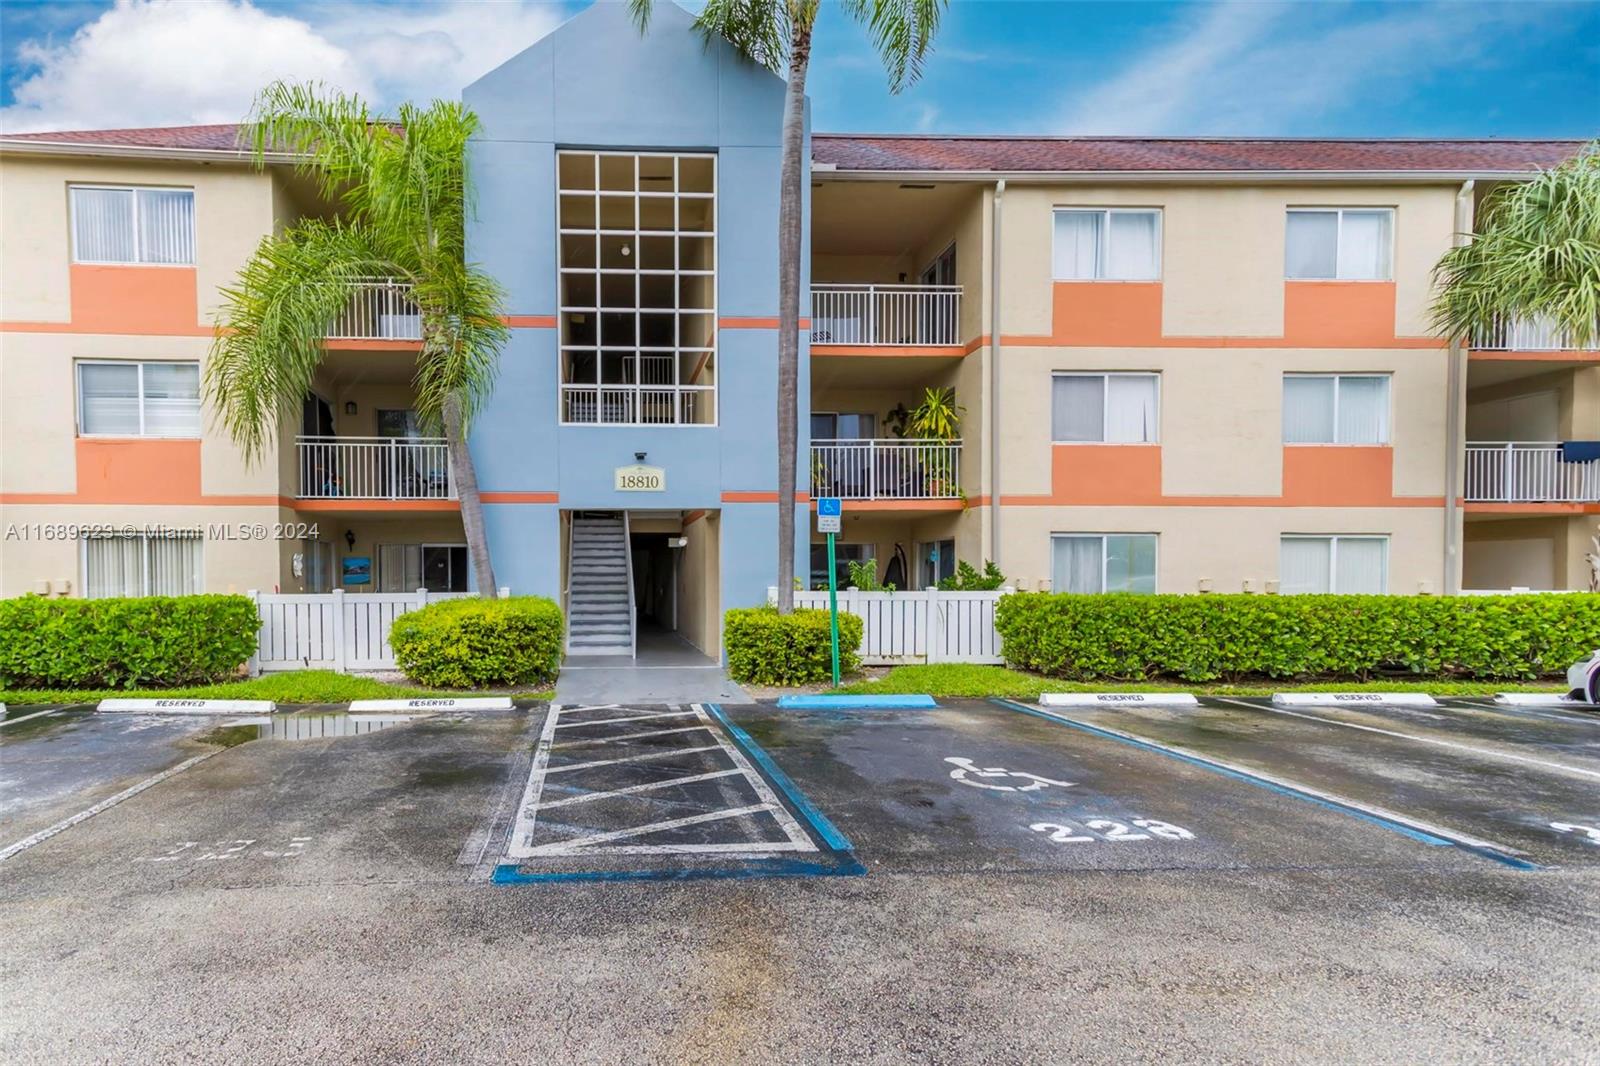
<point x="835" y="703"/>
<point x="509" y="874"/>
<point x="1283" y="790"/>
<point x="797" y="799"/>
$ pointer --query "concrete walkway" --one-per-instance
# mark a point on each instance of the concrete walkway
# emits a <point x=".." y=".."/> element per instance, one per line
<point x="668" y="669"/>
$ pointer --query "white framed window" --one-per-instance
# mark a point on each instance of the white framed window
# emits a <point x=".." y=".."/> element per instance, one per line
<point x="1103" y="562"/>
<point x="1346" y="564"/>
<point x="1106" y="244"/>
<point x="636" y="255"/>
<point x="124" y="399"/>
<point x="843" y="556"/>
<point x="435" y="567"/>
<point x="1105" y="408"/>
<point x="143" y="565"/>
<point x="120" y="224"/>
<point x="1336" y="409"/>
<point x="1339" y="244"/>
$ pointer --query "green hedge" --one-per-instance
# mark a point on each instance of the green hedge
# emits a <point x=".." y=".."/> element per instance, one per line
<point x="766" y="648"/>
<point x="476" y="642"/>
<point x="1129" y="637"/>
<point x="144" y="642"/>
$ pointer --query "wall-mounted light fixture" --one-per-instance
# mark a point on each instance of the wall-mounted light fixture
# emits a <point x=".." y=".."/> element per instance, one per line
<point x="350" y="538"/>
<point x="349" y="407"/>
<point x="640" y="457"/>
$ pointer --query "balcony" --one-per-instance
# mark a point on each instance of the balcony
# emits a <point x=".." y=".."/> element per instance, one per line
<point x="638" y="405"/>
<point x="379" y="310"/>
<point x="373" y="468"/>
<point x="1527" y="335"/>
<point x="893" y="316"/>
<point x="1524" y="472"/>
<point x="886" y="469"/>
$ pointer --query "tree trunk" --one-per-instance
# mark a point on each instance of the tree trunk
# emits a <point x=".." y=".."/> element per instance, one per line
<point x="464" y="476"/>
<point x="790" y="192"/>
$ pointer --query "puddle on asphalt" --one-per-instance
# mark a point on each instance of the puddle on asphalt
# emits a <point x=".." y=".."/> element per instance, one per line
<point x="328" y="726"/>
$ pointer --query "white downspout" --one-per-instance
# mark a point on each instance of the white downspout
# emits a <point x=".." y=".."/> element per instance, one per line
<point x="993" y="428"/>
<point x="1454" y="418"/>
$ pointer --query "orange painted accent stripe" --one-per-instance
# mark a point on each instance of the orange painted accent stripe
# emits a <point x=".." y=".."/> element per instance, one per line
<point x="1532" y="508"/>
<point x="864" y="506"/>
<point x="1224" y="501"/>
<point x="756" y="323"/>
<point x="38" y="499"/>
<point x="347" y="503"/>
<point x="519" y="497"/>
<point x="879" y="351"/>
<point x="529" y="321"/>
<point x="371" y="344"/>
<point x="1566" y="355"/>
<point x="760" y="497"/>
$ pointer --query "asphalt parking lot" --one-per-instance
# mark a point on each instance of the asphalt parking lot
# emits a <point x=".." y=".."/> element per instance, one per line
<point x="1220" y="882"/>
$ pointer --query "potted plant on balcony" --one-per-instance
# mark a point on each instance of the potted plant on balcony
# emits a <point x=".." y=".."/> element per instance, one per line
<point x="937" y="420"/>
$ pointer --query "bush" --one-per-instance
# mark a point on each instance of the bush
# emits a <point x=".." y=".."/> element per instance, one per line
<point x="967" y="579"/>
<point x="475" y="642"/>
<point x="1204" y="638"/>
<point x="766" y="648"/>
<point x="143" y="642"/>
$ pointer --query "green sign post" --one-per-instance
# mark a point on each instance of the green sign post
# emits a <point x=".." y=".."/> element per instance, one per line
<point x="829" y="513"/>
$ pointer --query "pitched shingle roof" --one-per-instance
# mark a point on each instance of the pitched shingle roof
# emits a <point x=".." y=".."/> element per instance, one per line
<point x="1133" y="155"/>
<point x="867" y="152"/>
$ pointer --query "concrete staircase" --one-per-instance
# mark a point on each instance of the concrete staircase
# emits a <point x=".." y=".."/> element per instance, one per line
<point x="600" y="621"/>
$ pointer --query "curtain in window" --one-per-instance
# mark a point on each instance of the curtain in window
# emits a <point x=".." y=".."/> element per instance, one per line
<point x="166" y="225"/>
<point x="1363" y="410"/>
<point x="113" y="566"/>
<point x="1132" y="251"/>
<point x="172" y="399"/>
<point x="1131" y="408"/>
<point x="1307" y="409"/>
<point x="110" y="393"/>
<point x="174" y="566"/>
<point x="1311" y="244"/>
<point x="1360" y="566"/>
<point x="1077" y="410"/>
<point x="1077" y="244"/>
<point x="1303" y="564"/>
<point x="1076" y="564"/>
<point x="1131" y="563"/>
<point x="399" y="567"/>
<point x="1364" y="245"/>
<point x="102" y="224"/>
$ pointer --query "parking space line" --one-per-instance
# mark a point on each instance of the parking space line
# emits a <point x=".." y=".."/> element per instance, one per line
<point x="1487" y="752"/>
<point x="1423" y="832"/>
<point x="35" y="714"/>
<point x="1549" y="714"/>
<point x="819" y="822"/>
<point x="630" y="718"/>
<point x="634" y="789"/>
<point x="629" y="736"/>
<point x="104" y="805"/>
<point x="585" y="844"/>
<point x="646" y="757"/>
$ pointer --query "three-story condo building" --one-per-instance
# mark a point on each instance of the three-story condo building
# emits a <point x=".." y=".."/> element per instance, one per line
<point x="1178" y="365"/>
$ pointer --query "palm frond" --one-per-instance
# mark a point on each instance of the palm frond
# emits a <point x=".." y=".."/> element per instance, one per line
<point x="902" y="31"/>
<point x="273" y="322"/>
<point x="463" y="335"/>
<point x="1535" y="255"/>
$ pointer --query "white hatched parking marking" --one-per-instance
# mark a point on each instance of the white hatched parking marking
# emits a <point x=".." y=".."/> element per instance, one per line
<point x="24" y="718"/>
<point x="629" y="718"/>
<point x="607" y="842"/>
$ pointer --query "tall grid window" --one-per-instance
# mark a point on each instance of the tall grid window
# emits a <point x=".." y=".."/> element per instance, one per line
<point x="638" y="288"/>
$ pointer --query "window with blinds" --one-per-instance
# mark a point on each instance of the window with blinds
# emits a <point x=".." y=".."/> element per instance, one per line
<point x="140" y="565"/>
<point x="1338" y="244"/>
<point x="1106" y="244"/>
<point x="123" y="225"/>
<point x="139" y="399"/>
<point x="1336" y="409"/>
<point x="1105" y="408"/>
<point x="1103" y="562"/>
<point x="1350" y="565"/>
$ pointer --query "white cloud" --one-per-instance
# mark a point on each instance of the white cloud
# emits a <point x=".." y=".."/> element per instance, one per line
<point x="173" y="62"/>
<point x="1258" y="68"/>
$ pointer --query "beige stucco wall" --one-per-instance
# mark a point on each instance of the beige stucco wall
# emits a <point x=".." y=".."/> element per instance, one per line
<point x="1222" y="250"/>
<point x="882" y="530"/>
<point x="700" y="585"/>
<point x="1542" y="552"/>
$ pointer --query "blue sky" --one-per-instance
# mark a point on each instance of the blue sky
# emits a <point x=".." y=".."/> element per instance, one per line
<point x="1435" y="68"/>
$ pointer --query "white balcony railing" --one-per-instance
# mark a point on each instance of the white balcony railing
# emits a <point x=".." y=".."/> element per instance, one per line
<point x="1528" y="335"/>
<point x="373" y="468"/>
<point x="891" y="315"/>
<point x="379" y="310"/>
<point x="1528" y="472"/>
<point x="638" y="405"/>
<point x="886" y="469"/>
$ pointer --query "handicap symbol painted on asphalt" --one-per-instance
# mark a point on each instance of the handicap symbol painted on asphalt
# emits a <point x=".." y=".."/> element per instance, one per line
<point x="966" y="771"/>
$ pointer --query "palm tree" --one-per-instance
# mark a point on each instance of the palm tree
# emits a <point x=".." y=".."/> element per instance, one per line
<point x="777" y="35"/>
<point x="401" y="182"/>
<point x="1535" y="255"/>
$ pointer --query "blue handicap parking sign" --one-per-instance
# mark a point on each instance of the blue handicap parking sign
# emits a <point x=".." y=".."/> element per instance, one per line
<point x="829" y="505"/>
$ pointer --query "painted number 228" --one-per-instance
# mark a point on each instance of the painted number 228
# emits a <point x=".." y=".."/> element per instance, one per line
<point x="1098" y="829"/>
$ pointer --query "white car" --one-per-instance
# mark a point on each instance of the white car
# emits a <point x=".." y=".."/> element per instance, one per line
<point x="1584" y="679"/>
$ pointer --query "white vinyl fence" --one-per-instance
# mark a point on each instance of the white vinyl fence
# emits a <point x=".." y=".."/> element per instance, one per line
<point x="918" y="627"/>
<point x="333" y="630"/>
